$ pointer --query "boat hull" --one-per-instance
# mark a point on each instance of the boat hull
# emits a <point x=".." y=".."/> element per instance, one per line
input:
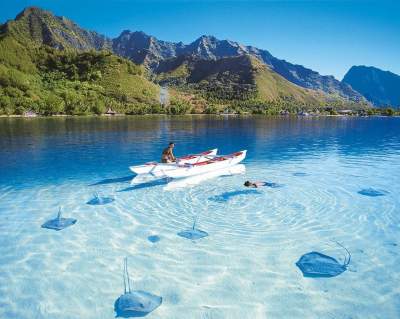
<point x="217" y="163"/>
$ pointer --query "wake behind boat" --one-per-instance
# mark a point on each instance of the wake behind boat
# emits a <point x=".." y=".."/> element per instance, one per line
<point x="156" y="169"/>
<point x="216" y="163"/>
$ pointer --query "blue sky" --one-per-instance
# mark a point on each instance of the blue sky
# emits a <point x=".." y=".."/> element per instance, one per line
<point x="327" y="36"/>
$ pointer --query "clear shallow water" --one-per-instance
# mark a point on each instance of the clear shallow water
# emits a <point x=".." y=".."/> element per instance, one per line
<point x="246" y="267"/>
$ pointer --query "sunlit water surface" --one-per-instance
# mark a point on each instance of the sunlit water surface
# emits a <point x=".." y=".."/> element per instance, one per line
<point x="246" y="267"/>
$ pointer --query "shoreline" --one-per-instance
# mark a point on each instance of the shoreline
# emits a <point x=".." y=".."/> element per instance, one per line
<point x="195" y="114"/>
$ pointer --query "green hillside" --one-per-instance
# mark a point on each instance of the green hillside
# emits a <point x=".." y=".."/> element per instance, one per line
<point x="241" y="83"/>
<point x="37" y="77"/>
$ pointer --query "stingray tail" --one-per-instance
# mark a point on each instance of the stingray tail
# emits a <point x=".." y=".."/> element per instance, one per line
<point x="127" y="281"/>
<point x="59" y="213"/>
<point x="195" y="221"/>
<point x="346" y="259"/>
<point x="124" y="276"/>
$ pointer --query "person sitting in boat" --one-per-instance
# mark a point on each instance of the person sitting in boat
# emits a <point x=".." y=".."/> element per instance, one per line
<point x="254" y="184"/>
<point x="168" y="155"/>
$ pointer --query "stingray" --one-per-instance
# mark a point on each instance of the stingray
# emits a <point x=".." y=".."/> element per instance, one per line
<point x="100" y="200"/>
<point x="154" y="238"/>
<point x="134" y="303"/>
<point x="193" y="233"/>
<point x="228" y="195"/>
<point x="300" y="174"/>
<point x="59" y="223"/>
<point x="371" y="192"/>
<point x="273" y="185"/>
<point x="318" y="265"/>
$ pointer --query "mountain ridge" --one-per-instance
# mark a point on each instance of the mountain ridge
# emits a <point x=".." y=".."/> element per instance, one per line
<point x="142" y="48"/>
<point x="382" y="88"/>
<point x="209" y="47"/>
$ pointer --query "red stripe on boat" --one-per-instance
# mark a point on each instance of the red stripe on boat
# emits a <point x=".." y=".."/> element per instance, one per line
<point x="218" y="159"/>
<point x="194" y="156"/>
<point x="237" y="154"/>
<point x="187" y="157"/>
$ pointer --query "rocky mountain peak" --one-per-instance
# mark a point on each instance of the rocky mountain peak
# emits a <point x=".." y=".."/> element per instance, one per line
<point x="205" y="39"/>
<point x="379" y="87"/>
<point x="31" y="11"/>
<point x="43" y="27"/>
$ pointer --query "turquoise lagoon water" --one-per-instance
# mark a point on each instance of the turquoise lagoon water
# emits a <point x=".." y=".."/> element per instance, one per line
<point x="246" y="267"/>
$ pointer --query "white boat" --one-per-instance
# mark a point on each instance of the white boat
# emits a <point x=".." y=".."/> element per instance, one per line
<point x="156" y="169"/>
<point x="218" y="162"/>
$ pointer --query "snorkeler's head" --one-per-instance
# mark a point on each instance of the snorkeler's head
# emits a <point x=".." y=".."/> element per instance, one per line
<point x="247" y="183"/>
